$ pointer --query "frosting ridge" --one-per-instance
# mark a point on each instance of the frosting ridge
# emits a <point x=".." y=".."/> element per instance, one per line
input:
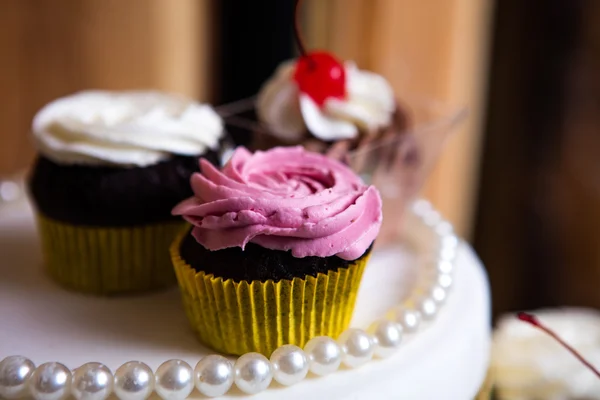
<point x="136" y="128"/>
<point x="368" y="106"/>
<point x="285" y="199"/>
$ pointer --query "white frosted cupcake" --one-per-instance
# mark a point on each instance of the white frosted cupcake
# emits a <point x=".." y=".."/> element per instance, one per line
<point x="111" y="167"/>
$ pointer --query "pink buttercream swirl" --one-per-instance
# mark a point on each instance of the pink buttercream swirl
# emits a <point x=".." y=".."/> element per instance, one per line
<point x="283" y="199"/>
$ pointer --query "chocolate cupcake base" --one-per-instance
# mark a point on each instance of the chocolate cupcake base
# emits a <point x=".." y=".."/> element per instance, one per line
<point x="255" y="263"/>
<point x="107" y="230"/>
<point x="107" y="196"/>
<point x="239" y="316"/>
<point x="247" y="130"/>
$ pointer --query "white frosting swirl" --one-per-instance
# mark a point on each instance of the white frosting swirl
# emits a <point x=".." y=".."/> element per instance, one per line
<point x="135" y="128"/>
<point x="368" y="106"/>
<point x="528" y="364"/>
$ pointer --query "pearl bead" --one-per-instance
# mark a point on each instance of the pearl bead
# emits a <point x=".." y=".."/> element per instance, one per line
<point x="421" y="207"/>
<point x="450" y="241"/>
<point x="444" y="229"/>
<point x="50" y="381"/>
<point x="432" y="218"/>
<point x="92" y="381"/>
<point x="290" y="364"/>
<point x="213" y="375"/>
<point x="174" y="380"/>
<point x="448" y="253"/>
<point x="388" y="337"/>
<point x="438" y="294"/>
<point x="358" y="347"/>
<point x="428" y="308"/>
<point x="324" y="355"/>
<point x="445" y="267"/>
<point x="253" y="373"/>
<point x="14" y="374"/>
<point x="134" y="381"/>
<point x="409" y="319"/>
<point x="444" y="281"/>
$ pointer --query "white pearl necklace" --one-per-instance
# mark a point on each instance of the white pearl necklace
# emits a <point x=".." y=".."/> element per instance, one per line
<point x="252" y="373"/>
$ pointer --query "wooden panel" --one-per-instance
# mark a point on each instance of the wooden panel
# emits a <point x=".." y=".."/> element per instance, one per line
<point x="50" y="51"/>
<point x="434" y="49"/>
<point x="184" y="48"/>
<point x="517" y="235"/>
<point x="12" y="142"/>
<point x="575" y="185"/>
<point x="350" y="33"/>
<point x="454" y="183"/>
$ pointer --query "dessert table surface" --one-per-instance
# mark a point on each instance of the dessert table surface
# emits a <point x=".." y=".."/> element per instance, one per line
<point x="43" y="322"/>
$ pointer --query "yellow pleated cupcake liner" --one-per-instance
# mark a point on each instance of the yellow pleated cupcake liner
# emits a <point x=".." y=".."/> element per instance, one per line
<point x="241" y="317"/>
<point x="108" y="260"/>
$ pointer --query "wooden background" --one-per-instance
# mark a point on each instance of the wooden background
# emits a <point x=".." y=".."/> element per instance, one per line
<point x="436" y="48"/>
<point x="53" y="48"/>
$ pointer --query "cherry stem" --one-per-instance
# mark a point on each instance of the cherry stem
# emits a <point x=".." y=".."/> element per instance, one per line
<point x="532" y="320"/>
<point x="297" y="32"/>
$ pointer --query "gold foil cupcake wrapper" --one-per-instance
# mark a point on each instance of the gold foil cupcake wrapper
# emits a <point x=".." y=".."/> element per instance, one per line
<point x="108" y="260"/>
<point x="241" y="317"/>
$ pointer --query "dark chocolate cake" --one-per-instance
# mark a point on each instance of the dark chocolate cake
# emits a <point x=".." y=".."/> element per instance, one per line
<point x="246" y="130"/>
<point x="256" y="262"/>
<point x="112" y="196"/>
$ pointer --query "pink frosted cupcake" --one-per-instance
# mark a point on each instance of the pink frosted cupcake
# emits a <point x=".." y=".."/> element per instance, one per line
<point x="277" y="251"/>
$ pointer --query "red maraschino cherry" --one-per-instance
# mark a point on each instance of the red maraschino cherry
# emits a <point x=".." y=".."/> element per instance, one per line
<point x="318" y="74"/>
<point x="532" y="320"/>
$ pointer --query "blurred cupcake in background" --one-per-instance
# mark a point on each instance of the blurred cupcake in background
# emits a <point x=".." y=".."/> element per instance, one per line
<point x="111" y="166"/>
<point x="327" y="106"/>
<point x="279" y="244"/>
<point x="529" y="364"/>
<point x="352" y="115"/>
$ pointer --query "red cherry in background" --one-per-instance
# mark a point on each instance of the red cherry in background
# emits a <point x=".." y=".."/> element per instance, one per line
<point x="321" y="76"/>
<point x="318" y="74"/>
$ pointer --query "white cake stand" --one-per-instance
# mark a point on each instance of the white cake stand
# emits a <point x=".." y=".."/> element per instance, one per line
<point x="447" y="360"/>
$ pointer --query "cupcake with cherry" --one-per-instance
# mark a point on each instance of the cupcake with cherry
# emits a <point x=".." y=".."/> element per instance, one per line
<point x="279" y="243"/>
<point x="333" y="107"/>
<point x="326" y="105"/>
